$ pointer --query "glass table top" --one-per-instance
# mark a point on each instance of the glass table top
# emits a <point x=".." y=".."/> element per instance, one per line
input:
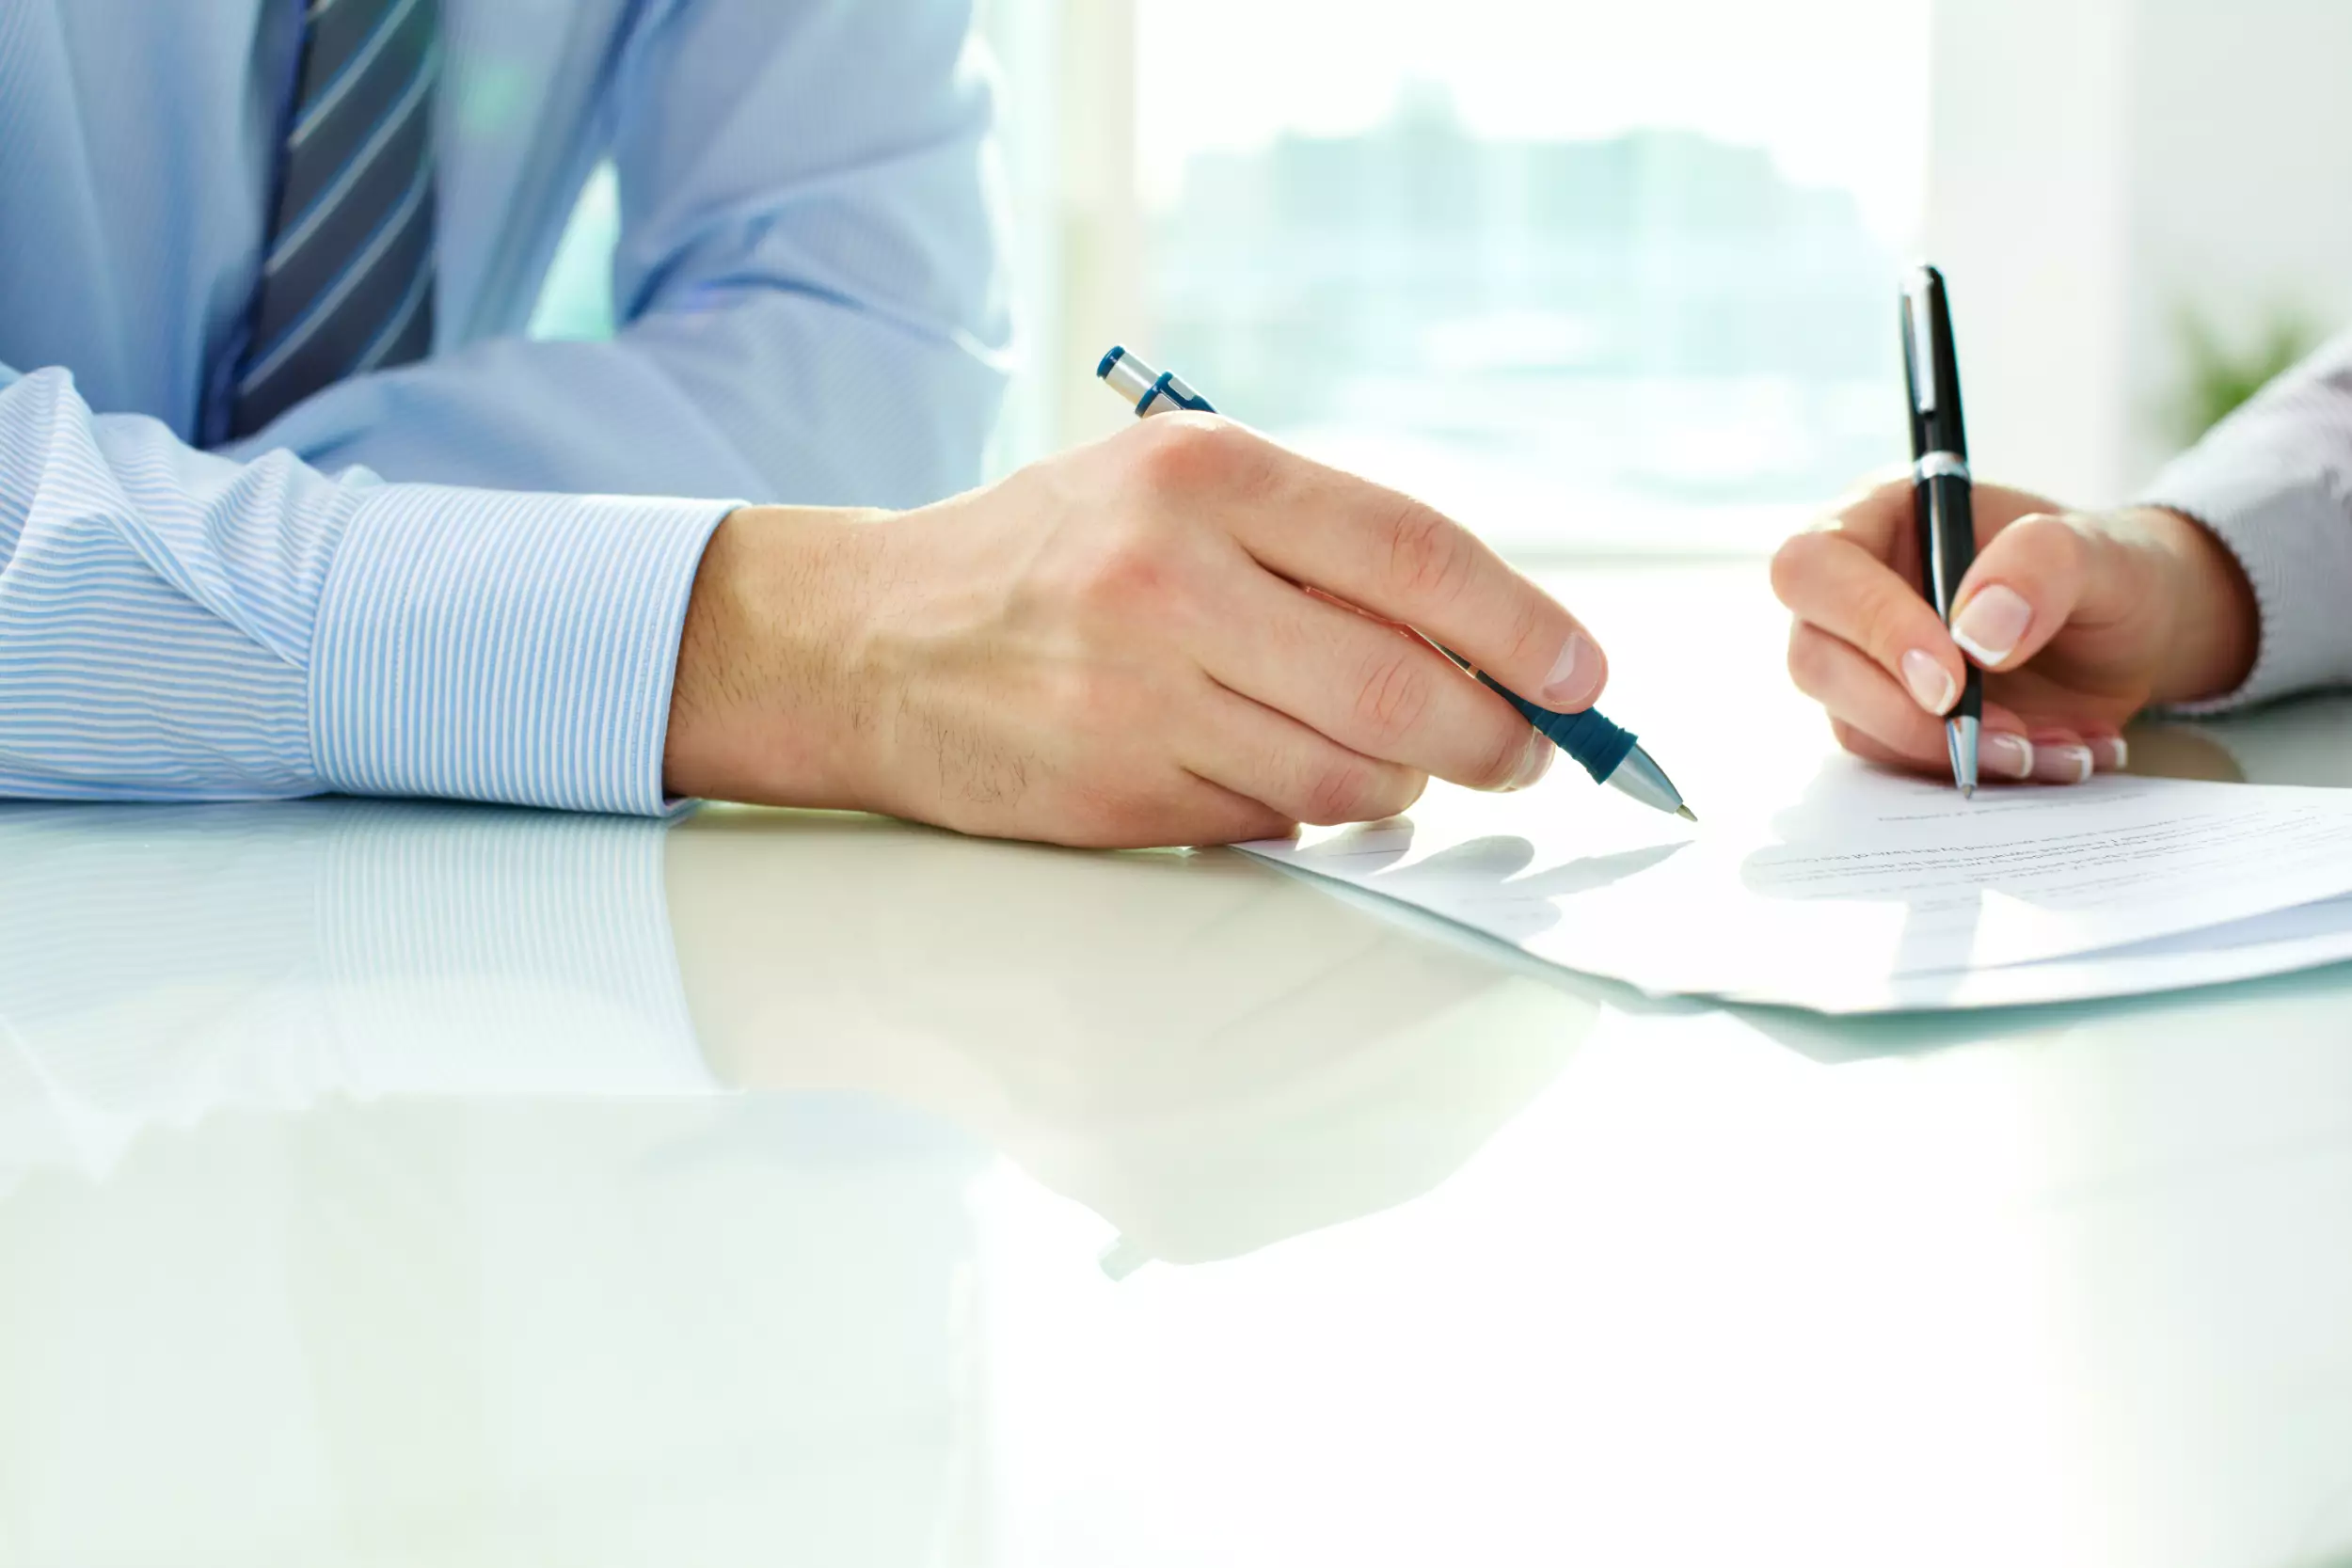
<point x="389" y="1183"/>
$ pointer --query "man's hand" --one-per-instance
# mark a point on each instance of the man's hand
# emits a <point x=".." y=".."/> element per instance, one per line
<point x="2082" y="619"/>
<point x="1113" y="648"/>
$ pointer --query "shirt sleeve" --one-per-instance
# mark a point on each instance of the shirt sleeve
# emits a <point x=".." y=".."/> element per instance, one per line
<point x="2274" y="483"/>
<point x="811" y="303"/>
<point x="176" y="625"/>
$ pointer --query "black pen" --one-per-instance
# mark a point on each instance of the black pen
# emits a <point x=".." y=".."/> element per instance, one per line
<point x="1943" y="506"/>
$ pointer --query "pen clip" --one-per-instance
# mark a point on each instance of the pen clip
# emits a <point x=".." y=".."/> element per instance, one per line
<point x="1922" y="325"/>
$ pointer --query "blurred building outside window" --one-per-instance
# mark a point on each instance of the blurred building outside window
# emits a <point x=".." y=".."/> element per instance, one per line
<point x="1593" y="277"/>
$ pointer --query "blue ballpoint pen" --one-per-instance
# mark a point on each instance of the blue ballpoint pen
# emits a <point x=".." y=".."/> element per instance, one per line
<point x="1610" y="754"/>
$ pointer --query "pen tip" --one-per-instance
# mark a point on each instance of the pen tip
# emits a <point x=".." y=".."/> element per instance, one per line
<point x="1686" y="814"/>
<point x="1967" y="792"/>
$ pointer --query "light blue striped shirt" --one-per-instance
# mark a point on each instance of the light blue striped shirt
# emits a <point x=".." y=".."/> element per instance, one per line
<point x="465" y="577"/>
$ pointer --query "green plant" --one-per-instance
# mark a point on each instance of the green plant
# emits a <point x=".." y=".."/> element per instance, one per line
<point x="2221" y="374"/>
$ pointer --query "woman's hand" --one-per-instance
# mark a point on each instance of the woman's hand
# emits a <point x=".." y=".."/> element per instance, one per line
<point x="2081" y="619"/>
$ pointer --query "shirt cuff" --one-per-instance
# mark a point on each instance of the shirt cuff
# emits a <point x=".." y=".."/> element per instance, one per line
<point x="2290" y="526"/>
<point x="482" y="645"/>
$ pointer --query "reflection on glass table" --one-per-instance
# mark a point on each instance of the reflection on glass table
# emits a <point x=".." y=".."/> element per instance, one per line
<point x="412" y="1184"/>
<point x="1082" y="1013"/>
<point x="374" y="1122"/>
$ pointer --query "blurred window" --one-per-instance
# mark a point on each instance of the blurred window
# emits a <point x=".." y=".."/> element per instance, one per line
<point x="575" y="301"/>
<point x="1590" y="275"/>
<point x="1593" y="275"/>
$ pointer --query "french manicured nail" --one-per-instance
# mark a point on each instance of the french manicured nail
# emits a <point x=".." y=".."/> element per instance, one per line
<point x="1536" y="763"/>
<point x="2009" y="755"/>
<point x="2111" y="755"/>
<point x="1931" y="684"/>
<point x="1575" y="674"/>
<point x="1993" y="625"/>
<point x="2063" y="765"/>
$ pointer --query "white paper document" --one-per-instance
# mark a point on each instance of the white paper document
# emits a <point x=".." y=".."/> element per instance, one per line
<point x="2305" y="937"/>
<point x="1874" y="891"/>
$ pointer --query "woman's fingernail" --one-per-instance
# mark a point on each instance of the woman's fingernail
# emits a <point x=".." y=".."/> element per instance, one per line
<point x="2009" y="755"/>
<point x="1993" y="625"/>
<point x="2110" y="753"/>
<point x="1575" y="677"/>
<point x="1931" y="685"/>
<point x="2063" y="765"/>
<point x="1535" y="764"/>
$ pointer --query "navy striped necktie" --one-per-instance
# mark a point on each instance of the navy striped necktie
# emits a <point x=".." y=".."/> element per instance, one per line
<point x="347" y="276"/>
